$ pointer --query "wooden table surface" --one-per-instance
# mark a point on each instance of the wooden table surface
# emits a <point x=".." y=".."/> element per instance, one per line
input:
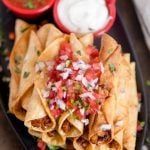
<point x="8" y="139"/>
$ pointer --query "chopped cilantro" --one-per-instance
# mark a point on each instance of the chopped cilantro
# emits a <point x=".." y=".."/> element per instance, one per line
<point x="142" y="123"/>
<point x="87" y="108"/>
<point x="26" y="74"/>
<point x="24" y="29"/>
<point x="29" y="4"/>
<point x="17" y="69"/>
<point x="68" y="62"/>
<point x="148" y="82"/>
<point x="38" y="53"/>
<point x="57" y="106"/>
<point x="64" y="88"/>
<point x="79" y="52"/>
<point x="52" y="147"/>
<point x="98" y="101"/>
<point x="18" y="59"/>
<point x="72" y="101"/>
<point x="112" y="67"/>
<point x="77" y="86"/>
<point x="110" y="51"/>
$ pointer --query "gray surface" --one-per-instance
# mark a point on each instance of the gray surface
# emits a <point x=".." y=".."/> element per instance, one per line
<point x="8" y="139"/>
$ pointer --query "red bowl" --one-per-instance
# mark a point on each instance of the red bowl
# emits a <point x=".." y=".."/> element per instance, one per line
<point x="28" y="13"/>
<point x="111" y="5"/>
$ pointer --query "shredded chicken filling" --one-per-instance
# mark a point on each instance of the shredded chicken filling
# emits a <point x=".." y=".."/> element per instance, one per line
<point x="43" y="123"/>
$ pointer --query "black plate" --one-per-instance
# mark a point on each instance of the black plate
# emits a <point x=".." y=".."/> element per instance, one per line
<point x="7" y="20"/>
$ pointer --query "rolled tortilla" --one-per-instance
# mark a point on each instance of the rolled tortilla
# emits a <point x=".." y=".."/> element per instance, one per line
<point x="82" y="143"/>
<point x="36" y="118"/>
<point x="105" y="119"/>
<point x="28" y="71"/>
<point x="35" y="133"/>
<point x="16" y="64"/>
<point x="69" y="126"/>
<point x="117" y="142"/>
<point x="54" y="138"/>
<point x="130" y="131"/>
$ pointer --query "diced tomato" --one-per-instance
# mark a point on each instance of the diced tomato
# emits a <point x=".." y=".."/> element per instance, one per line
<point x="98" y="96"/>
<point x="90" y="74"/>
<point x="56" y="112"/>
<point x="41" y="145"/>
<point x="79" y="115"/>
<point x="52" y="94"/>
<point x="70" y="105"/>
<point x="95" y="60"/>
<point x="60" y="93"/>
<point x="65" y="49"/>
<point x="92" y="51"/>
<point x="96" y="66"/>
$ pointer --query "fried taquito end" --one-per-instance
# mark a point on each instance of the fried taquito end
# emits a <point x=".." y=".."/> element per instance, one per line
<point x="69" y="126"/>
<point x="54" y="138"/>
<point x="108" y="46"/>
<point x="35" y="133"/>
<point x="36" y="118"/>
<point x="27" y="73"/>
<point x="20" y="27"/>
<point x="16" y="63"/>
<point x="101" y="130"/>
<point x="82" y="143"/>
<point x="117" y="141"/>
<point x="48" y="55"/>
<point x="107" y="87"/>
<point x="129" y="138"/>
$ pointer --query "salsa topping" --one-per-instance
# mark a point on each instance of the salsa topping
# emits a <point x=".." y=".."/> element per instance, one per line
<point x="29" y="4"/>
<point x="73" y="84"/>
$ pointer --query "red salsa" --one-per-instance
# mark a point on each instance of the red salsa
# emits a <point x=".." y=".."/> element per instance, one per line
<point x="29" y="4"/>
<point x="73" y="84"/>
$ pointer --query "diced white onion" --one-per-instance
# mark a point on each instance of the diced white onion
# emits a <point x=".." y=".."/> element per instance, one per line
<point x="82" y="111"/>
<point x="60" y="67"/>
<point x="45" y="93"/>
<point x="61" y="104"/>
<point x="64" y="94"/>
<point x="39" y="66"/>
<point x="87" y="94"/>
<point x="79" y="77"/>
<point x="51" y="107"/>
<point x="105" y="127"/>
<point x="80" y="65"/>
<point x="85" y="82"/>
<point x="66" y="73"/>
<point x="64" y="57"/>
<point x="85" y="121"/>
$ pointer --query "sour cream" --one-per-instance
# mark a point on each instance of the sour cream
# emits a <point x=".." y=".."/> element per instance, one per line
<point x="83" y="16"/>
